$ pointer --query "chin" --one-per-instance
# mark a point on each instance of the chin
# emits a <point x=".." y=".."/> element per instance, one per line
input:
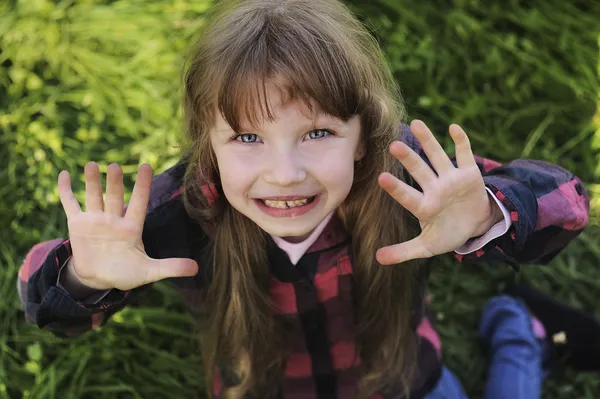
<point x="299" y="233"/>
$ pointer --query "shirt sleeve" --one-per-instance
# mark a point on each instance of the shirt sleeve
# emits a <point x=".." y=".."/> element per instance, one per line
<point x="91" y="299"/>
<point x="494" y="232"/>
<point x="51" y="307"/>
<point x="548" y="207"/>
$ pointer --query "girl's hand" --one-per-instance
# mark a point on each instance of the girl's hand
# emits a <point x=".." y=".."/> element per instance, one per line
<point x="454" y="205"/>
<point x="107" y="244"/>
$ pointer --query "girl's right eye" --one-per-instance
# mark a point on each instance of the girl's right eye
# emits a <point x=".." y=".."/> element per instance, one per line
<point x="247" y="138"/>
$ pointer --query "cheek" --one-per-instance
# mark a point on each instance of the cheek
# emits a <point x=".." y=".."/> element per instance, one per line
<point x="335" y="170"/>
<point x="236" y="176"/>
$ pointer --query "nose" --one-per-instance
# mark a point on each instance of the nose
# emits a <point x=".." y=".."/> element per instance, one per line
<point x="285" y="169"/>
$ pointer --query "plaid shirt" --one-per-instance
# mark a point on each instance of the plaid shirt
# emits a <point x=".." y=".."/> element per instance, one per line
<point x="548" y="206"/>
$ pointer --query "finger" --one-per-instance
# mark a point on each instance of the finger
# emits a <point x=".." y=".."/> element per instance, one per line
<point x="113" y="203"/>
<point x="436" y="154"/>
<point x="68" y="200"/>
<point x="93" y="188"/>
<point x="138" y="204"/>
<point x="406" y="195"/>
<point x="464" y="155"/>
<point x="161" y="269"/>
<point x="414" y="164"/>
<point x="405" y="251"/>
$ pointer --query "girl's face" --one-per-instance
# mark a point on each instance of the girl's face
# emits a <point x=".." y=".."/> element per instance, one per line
<point x="289" y="174"/>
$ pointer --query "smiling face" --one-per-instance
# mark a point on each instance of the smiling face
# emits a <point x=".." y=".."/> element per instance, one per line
<point x="287" y="174"/>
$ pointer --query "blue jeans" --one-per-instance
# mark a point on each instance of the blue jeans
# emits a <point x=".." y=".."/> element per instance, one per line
<point x="516" y="355"/>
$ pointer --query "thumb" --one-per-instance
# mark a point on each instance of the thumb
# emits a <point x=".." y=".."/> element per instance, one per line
<point x="160" y="269"/>
<point x="405" y="251"/>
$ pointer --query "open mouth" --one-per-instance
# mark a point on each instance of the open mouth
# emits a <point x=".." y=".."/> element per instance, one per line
<point x="296" y="203"/>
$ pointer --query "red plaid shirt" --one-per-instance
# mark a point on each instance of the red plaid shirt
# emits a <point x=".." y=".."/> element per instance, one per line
<point x="548" y="206"/>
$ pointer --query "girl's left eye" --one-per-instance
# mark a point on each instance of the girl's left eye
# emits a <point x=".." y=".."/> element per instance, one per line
<point x="247" y="138"/>
<point x="318" y="134"/>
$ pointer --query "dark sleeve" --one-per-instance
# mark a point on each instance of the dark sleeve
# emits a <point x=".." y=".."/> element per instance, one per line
<point x="51" y="307"/>
<point x="548" y="205"/>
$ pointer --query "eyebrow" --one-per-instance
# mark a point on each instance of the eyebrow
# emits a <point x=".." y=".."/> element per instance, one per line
<point x="331" y="119"/>
<point x="320" y="117"/>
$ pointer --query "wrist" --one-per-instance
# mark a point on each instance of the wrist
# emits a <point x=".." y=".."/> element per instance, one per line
<point x="71" y="283"/>
<point x="495" y="216"/>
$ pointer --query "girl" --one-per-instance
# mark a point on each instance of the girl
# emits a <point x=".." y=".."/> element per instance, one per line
<point x="300" y="216"/>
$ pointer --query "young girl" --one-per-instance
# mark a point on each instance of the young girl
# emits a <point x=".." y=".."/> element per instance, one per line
<point x="301" y="215"/>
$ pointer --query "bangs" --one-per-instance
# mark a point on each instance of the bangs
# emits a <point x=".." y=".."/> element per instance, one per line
<point x="302" y="64"/>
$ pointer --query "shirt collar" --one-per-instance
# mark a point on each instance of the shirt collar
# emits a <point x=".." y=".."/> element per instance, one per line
<point x="327" y="234"/>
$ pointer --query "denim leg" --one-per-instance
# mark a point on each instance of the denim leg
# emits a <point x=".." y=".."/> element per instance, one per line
<point x="515" y="370"/>
<point x="448" y="387"/>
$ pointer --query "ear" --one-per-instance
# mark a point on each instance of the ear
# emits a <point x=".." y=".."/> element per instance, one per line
<point x="360" y="150"/>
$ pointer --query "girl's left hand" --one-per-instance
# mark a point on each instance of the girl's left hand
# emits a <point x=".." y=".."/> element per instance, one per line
<point x="454" y="205"/>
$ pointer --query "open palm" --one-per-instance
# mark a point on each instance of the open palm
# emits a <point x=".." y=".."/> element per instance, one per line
<point x="454" y="203"/>
<point x="106" y="240"/>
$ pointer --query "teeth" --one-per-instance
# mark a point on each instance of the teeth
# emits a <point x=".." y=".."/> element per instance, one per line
<point x="297" y="202"/>
<point x="285" y="204"/>
<point x="276" y="204"/>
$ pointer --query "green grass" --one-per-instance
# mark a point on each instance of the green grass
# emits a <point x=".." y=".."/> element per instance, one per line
<point x="98" y="80"/>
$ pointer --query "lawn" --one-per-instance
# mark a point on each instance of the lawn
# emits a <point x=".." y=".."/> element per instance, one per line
<point x="98" y="80"/>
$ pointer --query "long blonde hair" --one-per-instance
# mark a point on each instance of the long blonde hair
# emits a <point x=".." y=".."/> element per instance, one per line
<point x="315" y="51"/>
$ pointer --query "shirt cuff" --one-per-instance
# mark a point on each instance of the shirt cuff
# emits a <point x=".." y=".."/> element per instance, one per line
<point x="494" y="232"/>
<point x="92" y="299"/>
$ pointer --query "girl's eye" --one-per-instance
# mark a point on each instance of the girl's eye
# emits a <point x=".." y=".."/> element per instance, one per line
<point x="247" y="138"/>
<point x="318" y="134"/>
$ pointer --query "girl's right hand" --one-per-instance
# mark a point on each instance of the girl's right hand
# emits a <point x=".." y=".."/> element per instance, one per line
<point x="107" y="245"/>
